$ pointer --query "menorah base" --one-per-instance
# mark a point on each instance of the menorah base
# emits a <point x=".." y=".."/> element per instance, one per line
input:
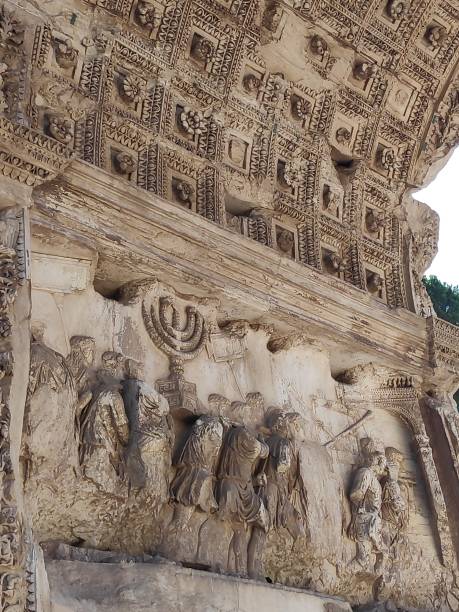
<point x="182" y="397"/>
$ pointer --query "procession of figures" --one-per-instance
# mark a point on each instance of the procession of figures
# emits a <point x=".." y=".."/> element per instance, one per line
<point x="132" y="451"/>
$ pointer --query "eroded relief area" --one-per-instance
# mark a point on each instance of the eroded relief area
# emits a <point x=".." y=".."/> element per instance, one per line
<point x="170" y="433"/>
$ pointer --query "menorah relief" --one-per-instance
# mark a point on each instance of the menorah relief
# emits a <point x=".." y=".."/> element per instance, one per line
<point x="181" y="338"/>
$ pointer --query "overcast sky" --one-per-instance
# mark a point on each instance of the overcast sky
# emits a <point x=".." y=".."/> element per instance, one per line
<point x="443" y="196"/>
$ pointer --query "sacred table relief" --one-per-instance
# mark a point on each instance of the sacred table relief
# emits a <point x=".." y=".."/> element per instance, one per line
<point x="223" y="385"/>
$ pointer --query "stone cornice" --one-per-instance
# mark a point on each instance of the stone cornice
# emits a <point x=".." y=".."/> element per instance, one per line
<point x="161" y="239"/>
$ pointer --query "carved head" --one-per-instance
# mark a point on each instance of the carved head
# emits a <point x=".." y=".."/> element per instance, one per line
<point x="364" y="70"/>
<point x="124" y="163"/>
<point x="113" y="363"/>
<point x="394" y="460"/>
<point x="343" y="135"/>
<point x="82" y="349"/>
<point x="374" y="282"/>
<point x="209" y="427"/>
<point x="334" y="262"/>
<point x="283" y="423"/>
<point x="66" y="55"/>
<point x="374" y="456"/>
<point x="435" y="35"/>
<point x="202" y="49"/>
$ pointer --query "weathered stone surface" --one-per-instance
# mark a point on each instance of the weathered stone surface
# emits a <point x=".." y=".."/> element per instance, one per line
<point x="77" y="587"/>
<point x="215" y="344"/>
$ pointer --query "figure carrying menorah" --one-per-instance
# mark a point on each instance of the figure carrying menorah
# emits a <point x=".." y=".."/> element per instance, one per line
<point x="181" y="338"/>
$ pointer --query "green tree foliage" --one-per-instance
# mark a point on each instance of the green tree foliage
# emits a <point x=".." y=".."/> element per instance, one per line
<point x="445" y="300"/>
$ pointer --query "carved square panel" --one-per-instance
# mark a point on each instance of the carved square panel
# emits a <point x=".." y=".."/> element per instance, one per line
<point x="182" y="190"/>
<point x="122" y="162"/>
<point x="64" y="57"/>
<point x="238" y="152"/>
<point x="252" y="79"/>
<point x="331" y="201"/>
<point x="375" y="281"/>
<point x="434" y="36"/>
<point x="129" y="90"/>
<point x="146" y="16"/>
<point x="401" y="99"/>
<point x="201" y="49"/>
<point x="285" y="239"/>
<point x="373" y="223"/>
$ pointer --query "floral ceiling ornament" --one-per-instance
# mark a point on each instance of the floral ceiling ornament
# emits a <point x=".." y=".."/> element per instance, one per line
<point x="251" y="83"/>
<point x="60" y="128"/>
<point x="343" y="135"/>
<point x="318" y="46"/>
<point x="435" y="35"/>
<point x="193" y="122"/>
<point x="396" y="9"/>
<point x="301" y="108"/>
<point x="131" y="89"/>
<point x="124" y="163"/>
<point x="387" y="159"/>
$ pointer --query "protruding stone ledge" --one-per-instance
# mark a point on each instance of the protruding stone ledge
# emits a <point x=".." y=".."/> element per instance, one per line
<point x="77" y="586"/>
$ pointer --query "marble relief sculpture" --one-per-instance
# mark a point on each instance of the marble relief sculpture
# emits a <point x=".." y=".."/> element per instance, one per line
<point x="217" y="353"/>
<point x="366" y="499"/>
<point x="238" y="502"/>
<point x="193" y="484"/>
<point x="104" y="429"/>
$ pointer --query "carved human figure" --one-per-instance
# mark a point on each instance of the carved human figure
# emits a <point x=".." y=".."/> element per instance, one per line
<point x="192" y="487"/>
<point x="394" y="507"/>
<point x="366" y="501"/>
<point x="149" y="450"/>
<point x="394" y="512"/>
<point x="281" y="486"/>
<point x="80" y="360"/>
<point x="238" y="502"/>
<point x="104" y="428"/>
<point x="56" y="394"/>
